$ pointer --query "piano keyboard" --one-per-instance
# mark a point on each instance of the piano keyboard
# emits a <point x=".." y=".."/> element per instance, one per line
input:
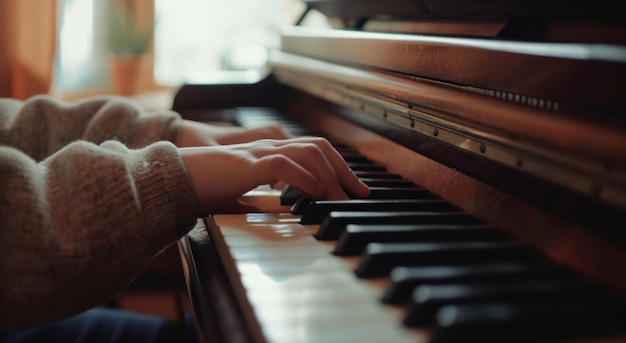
<point x="400" y="266"/>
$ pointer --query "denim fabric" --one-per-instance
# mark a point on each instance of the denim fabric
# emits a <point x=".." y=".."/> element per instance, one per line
<point x="103" y="325"/>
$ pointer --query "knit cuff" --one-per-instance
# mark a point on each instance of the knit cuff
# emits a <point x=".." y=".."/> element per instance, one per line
<point x="164" y="188"/>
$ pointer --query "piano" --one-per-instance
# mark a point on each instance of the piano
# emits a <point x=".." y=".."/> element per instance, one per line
<point x="493" y="136"/>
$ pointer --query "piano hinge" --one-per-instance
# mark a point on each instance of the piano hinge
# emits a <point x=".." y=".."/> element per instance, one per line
<point x="597" y="180"/>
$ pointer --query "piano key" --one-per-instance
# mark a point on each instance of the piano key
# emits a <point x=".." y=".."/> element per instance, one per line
<point x="335" y="223"/>
<point x="376" y="193"/>
<point x="403" y="280"/>
<point x="380" y="258"/>
<point x="376" y="175"/>
<point x="320" y="209"/>
<point x="372" y="182"/>
<point x="289" y="196"/>
<point x="428" y="299"/>
<point x="276" y="253"/>
<point x="378" y="188"/>
<point x="297" y="285"/>
<point x="399" y="193"/>
<point x="354" y="157"/>
<point x="367" y="167"/>
<point x="531" y="322"/>
<point x="354" y="239"/>
<point x="295" y="299"/>
<point x="388" y="182"/>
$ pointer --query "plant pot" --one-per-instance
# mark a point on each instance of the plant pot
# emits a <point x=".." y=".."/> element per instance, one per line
<point x="125" y="72"/>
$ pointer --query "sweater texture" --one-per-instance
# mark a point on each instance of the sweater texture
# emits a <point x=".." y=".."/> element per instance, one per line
<point x="90" y="192"/>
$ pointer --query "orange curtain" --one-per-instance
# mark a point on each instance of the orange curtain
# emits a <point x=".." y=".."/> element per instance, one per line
<point x="27" y="46"/>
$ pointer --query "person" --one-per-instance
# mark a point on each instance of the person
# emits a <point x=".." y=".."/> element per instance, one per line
<point x="91" y="191"/>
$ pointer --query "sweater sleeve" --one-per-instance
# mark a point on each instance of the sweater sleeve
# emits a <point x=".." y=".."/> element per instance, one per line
<point x="77" y="227"/>
<point x="42" y="124"/>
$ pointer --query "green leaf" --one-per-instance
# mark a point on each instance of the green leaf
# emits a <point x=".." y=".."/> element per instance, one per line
<point x="125" y="36"/>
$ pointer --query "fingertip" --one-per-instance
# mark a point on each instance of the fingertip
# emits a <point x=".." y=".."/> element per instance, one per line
<point x="364" y="190"/>
<point x="358" y="188"/>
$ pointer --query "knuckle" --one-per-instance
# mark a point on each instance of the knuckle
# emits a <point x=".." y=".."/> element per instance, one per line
<point x="320" y="141"/>
<point x="277" y="162"/>
<point x="312" y="149"/>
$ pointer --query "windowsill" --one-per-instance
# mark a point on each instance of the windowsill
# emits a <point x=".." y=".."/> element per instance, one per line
<point x="157" y="99"/>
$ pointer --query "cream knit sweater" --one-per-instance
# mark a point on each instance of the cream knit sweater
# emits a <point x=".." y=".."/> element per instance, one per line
<point x="89" y="193"/>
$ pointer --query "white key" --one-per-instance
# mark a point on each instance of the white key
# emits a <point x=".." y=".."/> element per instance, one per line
<point x="296" y="290"/>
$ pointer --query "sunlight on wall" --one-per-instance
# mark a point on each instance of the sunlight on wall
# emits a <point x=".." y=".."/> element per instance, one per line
<point x="196" y="38"/>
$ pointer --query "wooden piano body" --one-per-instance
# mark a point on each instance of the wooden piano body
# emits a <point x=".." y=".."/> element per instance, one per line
<point x="516" y="118"/>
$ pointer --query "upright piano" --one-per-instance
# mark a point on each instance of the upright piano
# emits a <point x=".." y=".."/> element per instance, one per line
<point x="493" y="136"/>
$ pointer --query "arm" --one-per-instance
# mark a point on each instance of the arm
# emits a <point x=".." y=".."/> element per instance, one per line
<point x="42" y="125"/>
<point x="78" y="226"/>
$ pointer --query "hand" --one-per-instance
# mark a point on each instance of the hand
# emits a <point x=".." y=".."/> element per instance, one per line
<point x="222" y="174"/>
<point x="191" y="133"/>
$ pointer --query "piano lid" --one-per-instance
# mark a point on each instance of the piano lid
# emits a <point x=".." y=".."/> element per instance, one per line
<point x="358" y="11"/>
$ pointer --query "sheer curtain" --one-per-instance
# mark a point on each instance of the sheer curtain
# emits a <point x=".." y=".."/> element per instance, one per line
<point x="205" y="40"/>
<point x="27" y="38"/>
<point x="194" y="41"/>
<point x="82" y="61"/>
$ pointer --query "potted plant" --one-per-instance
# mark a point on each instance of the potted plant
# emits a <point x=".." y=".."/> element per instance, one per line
<point x="128" y="43"/>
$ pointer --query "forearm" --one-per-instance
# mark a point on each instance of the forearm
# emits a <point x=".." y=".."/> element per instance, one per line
<point x="42" y="125"/>
<point x="77" y="227"/>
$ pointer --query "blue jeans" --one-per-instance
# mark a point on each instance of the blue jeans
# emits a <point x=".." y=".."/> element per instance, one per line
<point x="102" y="325"/>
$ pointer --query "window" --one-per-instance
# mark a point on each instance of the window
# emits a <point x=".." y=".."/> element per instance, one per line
<point x="80" y="56"/>
<point x="194" y="39"/>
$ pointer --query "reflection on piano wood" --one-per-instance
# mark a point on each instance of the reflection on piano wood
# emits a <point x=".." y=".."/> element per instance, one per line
<point x="499" y="190"/>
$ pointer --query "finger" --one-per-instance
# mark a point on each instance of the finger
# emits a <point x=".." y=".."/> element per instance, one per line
<point x="243" y="135"/>
<point x="313" y="159"/>
<point x="342" y="171"/>
<point x="275" y="131"/>
<point x="279" y="185"/>
<point x="272" y="168"/>
<point x="346" y="176"/>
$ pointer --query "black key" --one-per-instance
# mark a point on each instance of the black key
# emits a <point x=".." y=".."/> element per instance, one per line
<point x="405" y="279"/>
<point x="531" y="322"/>
<point x="289" y="196"/>
<point x="362" y="174"/>
<point x="388" y="182"/>
<point x="428" y="299"/>
<point x="367" y="167"/>
<point x="354" y="239"/>
<point x="353" y="157"/>
<point x="301" y="205"/>
<point x="344" y="149"/>
<point x="319" y="209"/>
<point x="335" y="223"/>
<point x="400" y="193"/>
<point x="379" y="193"/>
<point x="380" y="258"/>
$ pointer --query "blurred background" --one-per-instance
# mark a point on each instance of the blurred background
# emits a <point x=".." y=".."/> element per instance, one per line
<point x="77" y="48"/>
<point x="144" y="50"/>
